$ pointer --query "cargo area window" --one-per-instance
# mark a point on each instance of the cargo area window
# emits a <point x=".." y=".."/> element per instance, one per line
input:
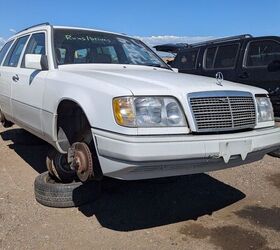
<point x="261" y="53"/>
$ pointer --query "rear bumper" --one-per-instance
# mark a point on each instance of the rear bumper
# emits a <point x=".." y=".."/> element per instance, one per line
<point x="141" y="157"/>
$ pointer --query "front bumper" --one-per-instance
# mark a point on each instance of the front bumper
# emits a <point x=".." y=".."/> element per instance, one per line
<point x="142" y="157"/>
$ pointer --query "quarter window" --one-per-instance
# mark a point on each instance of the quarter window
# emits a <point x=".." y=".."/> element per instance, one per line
<point x="15" y="52"/>
<point x="261" y="53"/>
<point x="4" y="50"/>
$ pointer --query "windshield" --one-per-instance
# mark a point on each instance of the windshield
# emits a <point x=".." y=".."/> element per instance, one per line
<point x="84" y="46"/>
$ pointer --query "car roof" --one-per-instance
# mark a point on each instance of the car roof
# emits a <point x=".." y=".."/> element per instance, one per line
<point x="89" y="29"/>
<point x="222" y="42"/>
<point x="181" y="47"/>
<point x="48" y="26"/>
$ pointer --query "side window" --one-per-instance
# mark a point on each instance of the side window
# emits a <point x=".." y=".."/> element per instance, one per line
<point x="15" y="52"/>
<point x="209" y="57"/>
<point x="36" y="45"/>
<point x="226" y="56"/>
<point x="187" y="60"/>
<point x="261" y="53"/>
<point x="4" y="50"/>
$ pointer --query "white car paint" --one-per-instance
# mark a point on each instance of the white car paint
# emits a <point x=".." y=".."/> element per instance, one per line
<point x="32" y="103"/>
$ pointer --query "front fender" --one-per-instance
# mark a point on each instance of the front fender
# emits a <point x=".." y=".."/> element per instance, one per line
<point x="94" y="97"/>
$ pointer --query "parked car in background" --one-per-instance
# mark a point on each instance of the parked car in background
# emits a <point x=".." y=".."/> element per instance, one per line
<point x="244" y="59"/>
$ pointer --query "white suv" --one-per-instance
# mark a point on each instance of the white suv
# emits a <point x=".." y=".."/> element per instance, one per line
<point x="110" y="106"/>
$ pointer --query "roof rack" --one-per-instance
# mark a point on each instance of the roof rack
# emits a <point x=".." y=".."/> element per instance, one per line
<point x="224" y="39"/>
<point x="40" y="24"/>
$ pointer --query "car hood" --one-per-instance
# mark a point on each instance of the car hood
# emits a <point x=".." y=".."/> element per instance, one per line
<point x="143" y="80"/>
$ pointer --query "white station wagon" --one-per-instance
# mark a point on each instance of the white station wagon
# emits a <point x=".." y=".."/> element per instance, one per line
<point x="110" y="106"/>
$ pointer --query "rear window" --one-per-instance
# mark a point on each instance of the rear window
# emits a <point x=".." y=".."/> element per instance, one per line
<point x="4" y="50"/>
<point x="186" y="60"/>
<point x="221" y="57"/>
<point x="261" y="53"/>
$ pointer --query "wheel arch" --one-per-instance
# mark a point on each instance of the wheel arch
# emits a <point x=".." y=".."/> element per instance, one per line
<point x="65" y="111"/>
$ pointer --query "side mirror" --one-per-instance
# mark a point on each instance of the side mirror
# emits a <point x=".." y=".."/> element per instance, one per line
<point x="34" y="61"/>
<point x="274" y="66"/>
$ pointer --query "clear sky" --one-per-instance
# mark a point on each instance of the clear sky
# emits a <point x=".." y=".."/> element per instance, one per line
<point x="147" y="18"/>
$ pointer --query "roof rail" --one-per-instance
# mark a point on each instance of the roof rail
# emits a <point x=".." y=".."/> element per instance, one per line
<point x="40" y="24"/>
<point x="223" y="39"/>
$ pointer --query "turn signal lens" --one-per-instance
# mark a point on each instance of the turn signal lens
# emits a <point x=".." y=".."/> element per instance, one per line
<point x="124" y="111"/>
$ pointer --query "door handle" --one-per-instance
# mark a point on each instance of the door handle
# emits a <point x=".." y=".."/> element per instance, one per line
<point x="15" y="78"/>
<point x="244" y="75"/>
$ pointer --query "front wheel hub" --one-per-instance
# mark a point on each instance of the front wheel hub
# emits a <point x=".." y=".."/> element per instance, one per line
<point x="82" y="161"/>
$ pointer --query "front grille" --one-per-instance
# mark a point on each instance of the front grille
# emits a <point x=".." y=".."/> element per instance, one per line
<point x="223" y="110"/>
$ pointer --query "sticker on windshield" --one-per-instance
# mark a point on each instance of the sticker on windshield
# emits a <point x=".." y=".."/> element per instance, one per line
<point x="86" y="38"/>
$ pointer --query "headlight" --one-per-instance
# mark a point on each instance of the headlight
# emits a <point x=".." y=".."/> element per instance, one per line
<point x="148" y="112"/>
<point x="265" y="109"/>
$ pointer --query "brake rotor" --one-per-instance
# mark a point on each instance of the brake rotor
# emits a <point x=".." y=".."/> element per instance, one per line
<point x="82" y="161"/>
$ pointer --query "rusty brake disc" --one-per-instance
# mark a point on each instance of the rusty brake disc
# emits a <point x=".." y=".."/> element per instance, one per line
<point x="82" y="161"/>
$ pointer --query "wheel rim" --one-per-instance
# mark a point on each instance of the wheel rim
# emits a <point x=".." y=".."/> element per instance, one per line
<point x="58" y="167"/>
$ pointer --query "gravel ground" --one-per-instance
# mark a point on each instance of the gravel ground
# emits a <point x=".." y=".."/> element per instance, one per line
<point x="231" y="209"/>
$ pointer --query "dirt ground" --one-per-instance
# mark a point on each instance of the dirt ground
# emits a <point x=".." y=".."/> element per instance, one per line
<point x="231" y="209"/>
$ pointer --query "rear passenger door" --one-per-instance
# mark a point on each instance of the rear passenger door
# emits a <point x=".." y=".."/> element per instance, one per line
<point x="5" y="85"/>
<point x="8" y="74"/>
<point x="221" y="58"/>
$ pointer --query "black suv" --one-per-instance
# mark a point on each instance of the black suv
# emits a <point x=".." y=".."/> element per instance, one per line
<point x="244" y="59"/>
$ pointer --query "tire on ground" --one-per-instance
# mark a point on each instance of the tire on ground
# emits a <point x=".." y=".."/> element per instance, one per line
<point x="50" y="193"/>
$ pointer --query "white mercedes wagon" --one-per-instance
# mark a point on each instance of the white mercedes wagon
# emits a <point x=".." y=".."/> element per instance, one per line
<point x="110" y="106"/>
